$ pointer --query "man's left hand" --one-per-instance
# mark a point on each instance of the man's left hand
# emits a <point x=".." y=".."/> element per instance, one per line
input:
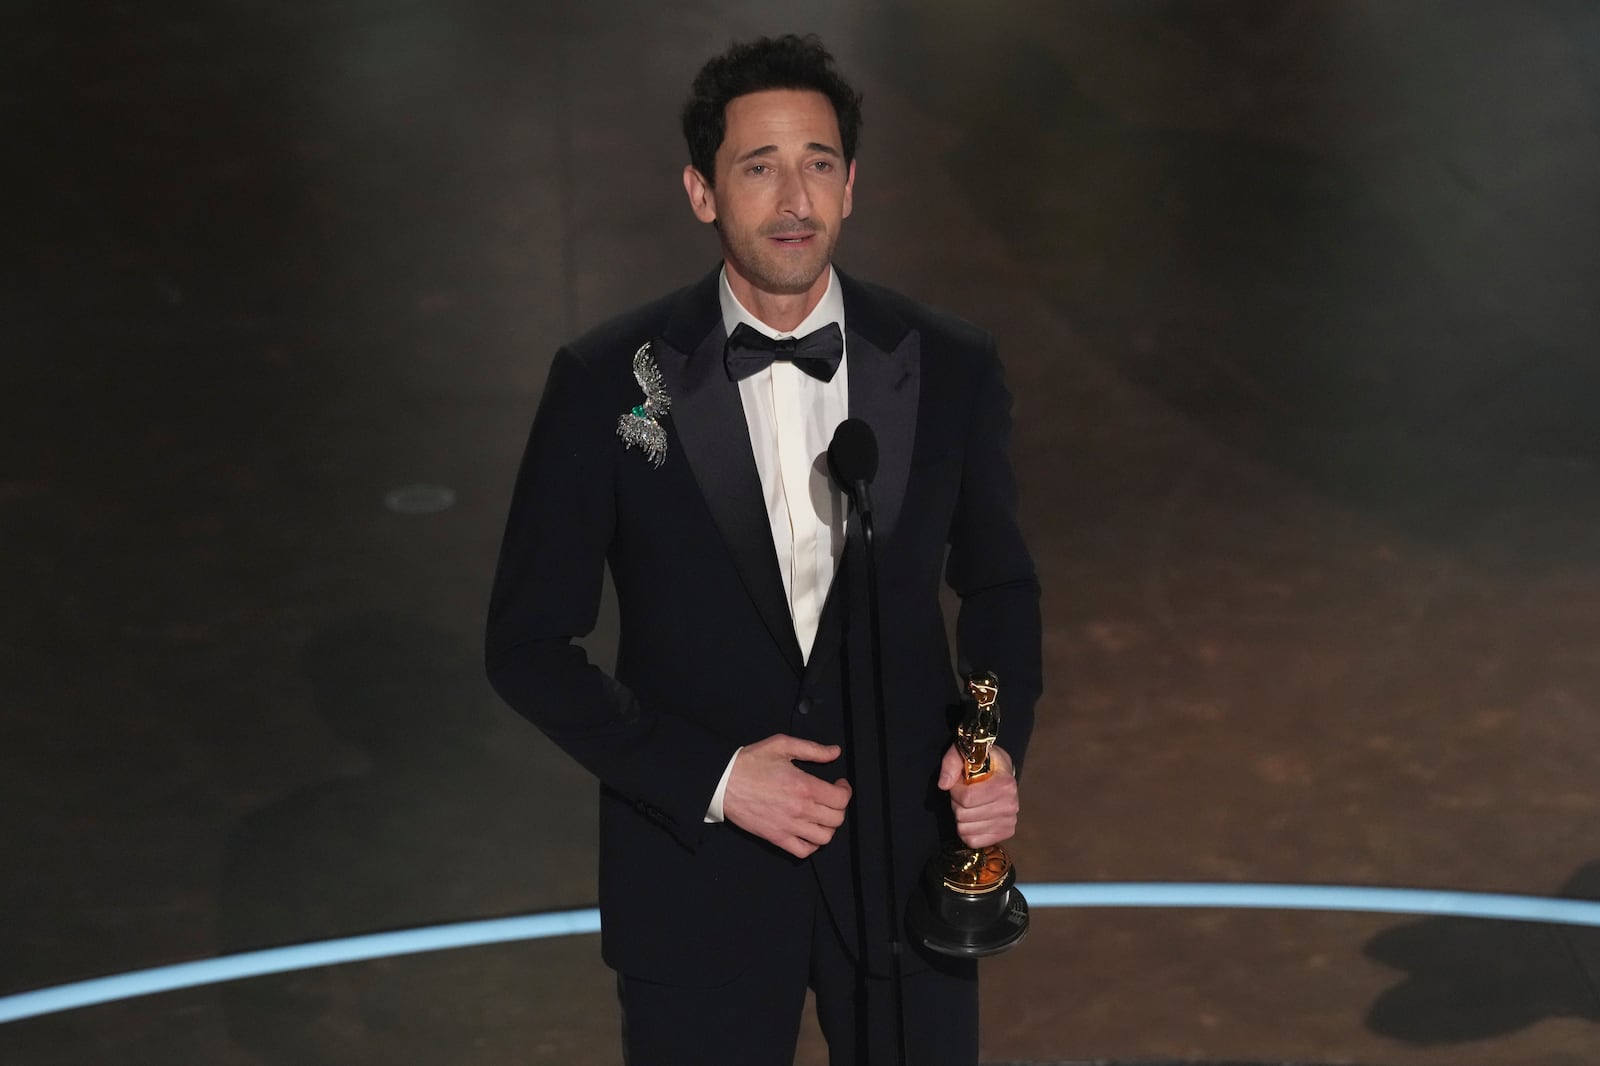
<point x="986" y="811"/>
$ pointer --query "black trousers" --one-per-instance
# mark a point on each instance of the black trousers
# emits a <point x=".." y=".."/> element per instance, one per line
<point x="754" y="1020"/>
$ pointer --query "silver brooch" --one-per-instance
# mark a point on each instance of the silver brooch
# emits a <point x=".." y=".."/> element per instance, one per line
<point x="639" y="427"/>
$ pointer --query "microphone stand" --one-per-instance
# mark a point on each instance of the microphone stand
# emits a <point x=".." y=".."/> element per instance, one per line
<point x="863" y="505"/>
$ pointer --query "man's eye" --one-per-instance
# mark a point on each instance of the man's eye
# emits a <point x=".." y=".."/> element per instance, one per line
<point x="822" y="165"/>
<point x="759" y="168"/>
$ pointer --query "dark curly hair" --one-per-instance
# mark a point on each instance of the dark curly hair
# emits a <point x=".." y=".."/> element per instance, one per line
<point x="787" y="62"/>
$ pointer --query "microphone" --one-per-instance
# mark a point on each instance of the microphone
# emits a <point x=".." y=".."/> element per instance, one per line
<point x="853" y="459"/>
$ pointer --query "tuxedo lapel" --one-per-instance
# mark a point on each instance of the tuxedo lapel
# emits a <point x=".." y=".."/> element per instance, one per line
<point x="884" y="391"/>
<point x="708" y="418"/>
<point x="885" y="366"/>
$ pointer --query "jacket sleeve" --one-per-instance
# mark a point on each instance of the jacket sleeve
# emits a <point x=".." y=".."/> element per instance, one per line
<point x="997" y="626"/>
<point x="547" y="589"/>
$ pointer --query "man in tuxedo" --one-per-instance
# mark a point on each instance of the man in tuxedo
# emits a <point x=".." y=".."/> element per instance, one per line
<point x="684" y="444"/>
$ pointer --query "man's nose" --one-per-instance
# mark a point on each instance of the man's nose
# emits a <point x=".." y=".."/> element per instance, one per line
<point x="795" y="197"/>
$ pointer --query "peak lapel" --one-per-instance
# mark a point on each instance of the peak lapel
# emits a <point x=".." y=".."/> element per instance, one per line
<point x="708" y="418"/>
<point x="885" y="382"/>
<point x="885" y="359"/>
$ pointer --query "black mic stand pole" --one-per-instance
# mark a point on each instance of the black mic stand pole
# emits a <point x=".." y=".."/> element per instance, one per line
<point x="863" y="504"/>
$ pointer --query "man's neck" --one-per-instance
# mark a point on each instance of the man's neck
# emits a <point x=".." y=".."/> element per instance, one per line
<point x="781" y="311"/>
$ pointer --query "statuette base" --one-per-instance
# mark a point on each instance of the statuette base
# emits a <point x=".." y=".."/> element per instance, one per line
<point x="967" y="923"/>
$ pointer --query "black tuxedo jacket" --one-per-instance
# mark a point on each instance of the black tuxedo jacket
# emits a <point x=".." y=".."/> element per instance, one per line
<point x="707" y="657"/>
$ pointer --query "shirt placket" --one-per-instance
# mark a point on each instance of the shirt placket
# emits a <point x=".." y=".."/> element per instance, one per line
<point x="794" y="465"/>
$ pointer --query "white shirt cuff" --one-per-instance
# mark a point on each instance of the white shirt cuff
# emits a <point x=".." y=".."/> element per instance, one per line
<point x="714" y="812"/>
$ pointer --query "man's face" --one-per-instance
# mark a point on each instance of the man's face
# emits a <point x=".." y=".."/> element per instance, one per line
<point x="782" y="190"/>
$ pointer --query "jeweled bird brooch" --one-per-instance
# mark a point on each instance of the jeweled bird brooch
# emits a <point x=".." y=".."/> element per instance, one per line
<point x="640" y="427"/>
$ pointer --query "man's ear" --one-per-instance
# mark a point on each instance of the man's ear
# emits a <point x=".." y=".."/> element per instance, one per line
<point x="849" y="190"/>
<point x="702" y="198"/>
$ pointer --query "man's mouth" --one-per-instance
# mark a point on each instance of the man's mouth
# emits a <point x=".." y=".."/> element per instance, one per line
<point x="793" y="237"/>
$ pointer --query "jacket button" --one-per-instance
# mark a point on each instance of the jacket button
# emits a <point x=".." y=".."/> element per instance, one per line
<point x="804" y="706"/>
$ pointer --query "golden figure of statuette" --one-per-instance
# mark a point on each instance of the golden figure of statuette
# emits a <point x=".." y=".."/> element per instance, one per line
<point x="969" y="904"/>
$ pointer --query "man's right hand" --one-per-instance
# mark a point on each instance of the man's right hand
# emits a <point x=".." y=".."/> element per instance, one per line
<point x="770" y="796"/>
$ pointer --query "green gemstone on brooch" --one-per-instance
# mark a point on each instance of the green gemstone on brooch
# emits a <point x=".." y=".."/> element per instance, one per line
<point x="641" y="428"/>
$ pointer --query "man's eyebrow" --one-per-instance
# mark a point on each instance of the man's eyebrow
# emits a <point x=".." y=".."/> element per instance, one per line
<point x="765" y="149"/>
<point x="768" y="149"/>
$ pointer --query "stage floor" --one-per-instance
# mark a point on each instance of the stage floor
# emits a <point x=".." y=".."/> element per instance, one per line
<point x="1297" y="301"/>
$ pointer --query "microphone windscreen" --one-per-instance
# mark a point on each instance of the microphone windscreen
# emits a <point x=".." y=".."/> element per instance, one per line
<point x="853" y="455"/>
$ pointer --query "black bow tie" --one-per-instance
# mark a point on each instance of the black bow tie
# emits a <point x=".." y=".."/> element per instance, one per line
<point x="818" y="354"/>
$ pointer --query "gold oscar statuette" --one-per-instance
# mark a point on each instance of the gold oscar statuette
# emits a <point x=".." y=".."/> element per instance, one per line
<point x="968" y="904"/>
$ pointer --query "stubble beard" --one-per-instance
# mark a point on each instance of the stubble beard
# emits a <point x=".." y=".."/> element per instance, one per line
<point x="772" y="270"/>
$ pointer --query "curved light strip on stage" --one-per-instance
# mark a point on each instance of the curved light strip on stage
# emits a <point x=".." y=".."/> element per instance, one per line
<point x="577" y="922"/>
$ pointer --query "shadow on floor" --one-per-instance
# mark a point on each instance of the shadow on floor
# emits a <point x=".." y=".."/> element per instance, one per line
<point x="1471" y="979"/>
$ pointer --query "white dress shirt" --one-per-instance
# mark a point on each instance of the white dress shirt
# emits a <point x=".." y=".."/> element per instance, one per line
<point x="791" y="417"/>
